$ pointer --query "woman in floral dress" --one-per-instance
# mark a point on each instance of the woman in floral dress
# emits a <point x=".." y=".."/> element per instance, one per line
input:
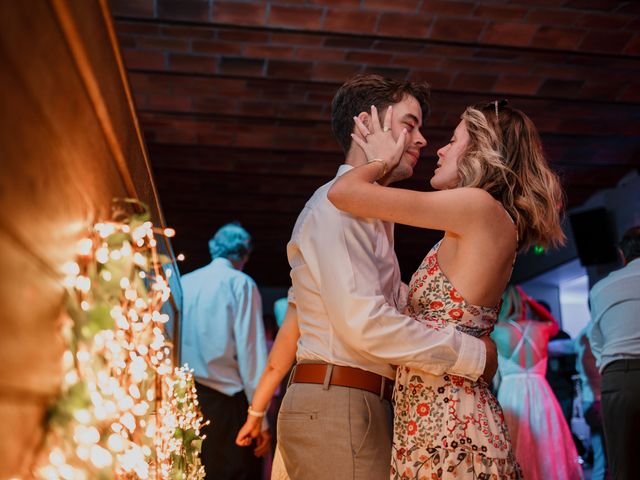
<point x="495" y="195"/>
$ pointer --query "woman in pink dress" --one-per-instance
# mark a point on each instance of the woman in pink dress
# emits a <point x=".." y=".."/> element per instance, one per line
<point x="540" y="435"/>
<point x="495" y="195"/>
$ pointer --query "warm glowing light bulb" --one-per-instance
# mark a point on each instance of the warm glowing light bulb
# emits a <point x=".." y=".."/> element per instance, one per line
<point x="56" y="457"/>
<point x="105" y="229"/>
<point x="83" y="283"/>
<point x="126" y="251"/>
<point x="67" y="359"/>
<point x="115" y="442"/>
<point x="180" y="257"/>
<point x="83" y="453"/>
<point x="82" y="415"/>
<point x="102" y="255"/>
<point x="139" y="259"/>
<point x="121" y="322"/>
<point x="84" y="246"/>
<point x="128" y="421"/>
<point x="134" y="391"/>
<point x="83" y="356"/>
<point x="86" y="435"/>
<point x="71" y="268"/>
<point x="100" y="457"/>
<point x="140" y="409"/>
<point x="71" y="377"/>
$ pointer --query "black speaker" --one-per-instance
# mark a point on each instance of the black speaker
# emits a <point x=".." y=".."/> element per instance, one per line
<point x="594" y="236"/>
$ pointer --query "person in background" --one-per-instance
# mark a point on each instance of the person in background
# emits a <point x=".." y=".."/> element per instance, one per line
<point x="223" y="341"/>
<point x="614" y="334"/>
<point x="280" y="307"/>
<point x="591" y="402"/>
<point x="541" y="437"/>
<point x="561" y="368"/>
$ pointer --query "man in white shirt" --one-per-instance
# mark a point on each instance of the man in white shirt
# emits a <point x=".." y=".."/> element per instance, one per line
<point x="223" y="340"/>
<point x="335" y="420"/>
<point x="614" y="335"/>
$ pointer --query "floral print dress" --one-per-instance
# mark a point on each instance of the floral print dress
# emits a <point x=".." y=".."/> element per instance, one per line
<point x="447" y="426"/>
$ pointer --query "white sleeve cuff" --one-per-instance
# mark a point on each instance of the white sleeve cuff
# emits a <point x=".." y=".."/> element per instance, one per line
<point x="471" y="358"/>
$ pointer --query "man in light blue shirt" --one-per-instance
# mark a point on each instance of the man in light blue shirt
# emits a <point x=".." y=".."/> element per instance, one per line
<point x="223" y="340"/>
<point x="615" y="341"/>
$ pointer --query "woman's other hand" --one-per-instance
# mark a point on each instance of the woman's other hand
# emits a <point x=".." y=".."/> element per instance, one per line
<point x="249" y="431"/>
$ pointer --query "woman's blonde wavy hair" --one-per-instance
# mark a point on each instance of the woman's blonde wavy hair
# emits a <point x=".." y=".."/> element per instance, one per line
<point x="505" y="158"/>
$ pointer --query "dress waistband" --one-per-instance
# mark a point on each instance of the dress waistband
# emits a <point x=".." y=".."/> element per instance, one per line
<point x="522" y="375"/>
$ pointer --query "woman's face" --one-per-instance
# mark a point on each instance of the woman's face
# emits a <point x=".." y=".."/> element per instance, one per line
<point x="446" y="173"/>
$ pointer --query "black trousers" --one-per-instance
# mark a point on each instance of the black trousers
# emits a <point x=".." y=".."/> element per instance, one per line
<point x="621" y="417"/>
<point x="221" y="457"/>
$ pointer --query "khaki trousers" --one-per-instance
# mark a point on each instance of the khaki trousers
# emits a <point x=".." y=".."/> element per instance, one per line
<point x="335" y="433"/>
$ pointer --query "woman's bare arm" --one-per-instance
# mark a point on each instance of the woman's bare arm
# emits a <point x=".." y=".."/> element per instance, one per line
<point x="281" y="358"/>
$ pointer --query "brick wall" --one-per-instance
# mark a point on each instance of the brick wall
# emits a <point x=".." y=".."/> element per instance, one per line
<point x="245" y="83"/>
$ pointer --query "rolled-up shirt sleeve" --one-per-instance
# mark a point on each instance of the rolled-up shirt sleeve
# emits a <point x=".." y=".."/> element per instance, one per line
<point x="345" y="271"/>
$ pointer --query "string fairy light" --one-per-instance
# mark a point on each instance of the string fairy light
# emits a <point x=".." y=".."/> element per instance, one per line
<point x="124" y="411"/>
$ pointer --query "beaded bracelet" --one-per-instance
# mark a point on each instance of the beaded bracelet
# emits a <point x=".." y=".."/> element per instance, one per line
<point x="255" y="413"/>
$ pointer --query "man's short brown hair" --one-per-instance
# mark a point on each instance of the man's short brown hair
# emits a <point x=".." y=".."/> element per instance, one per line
<point x="360" y="92"/>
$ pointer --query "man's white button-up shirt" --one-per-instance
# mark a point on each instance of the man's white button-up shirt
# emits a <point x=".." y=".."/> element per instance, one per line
<point x="347" y="289"/>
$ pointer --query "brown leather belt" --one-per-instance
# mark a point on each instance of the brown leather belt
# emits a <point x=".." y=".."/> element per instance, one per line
<point x="343" y="377"/>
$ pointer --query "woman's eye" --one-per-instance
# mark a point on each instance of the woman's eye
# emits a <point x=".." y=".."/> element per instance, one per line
<point x="409" y="127"/>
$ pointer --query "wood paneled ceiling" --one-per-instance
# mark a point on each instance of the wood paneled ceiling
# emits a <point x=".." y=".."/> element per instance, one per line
<point x="234" y="97"/>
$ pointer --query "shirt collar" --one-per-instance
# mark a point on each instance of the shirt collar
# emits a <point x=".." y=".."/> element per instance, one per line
<point x="634" y="262"/>
<point x="222" y="261"/>
<point x="344" y="168"/>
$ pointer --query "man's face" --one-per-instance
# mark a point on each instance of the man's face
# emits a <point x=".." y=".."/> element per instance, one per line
<point x="406" y="114"/>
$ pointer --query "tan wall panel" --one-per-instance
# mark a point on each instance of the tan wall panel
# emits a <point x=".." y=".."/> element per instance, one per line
<point x="69" y="143"/>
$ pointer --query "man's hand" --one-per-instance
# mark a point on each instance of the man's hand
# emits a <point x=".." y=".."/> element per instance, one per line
<point x="491" y="363"/>
<point x="263" y="443"/>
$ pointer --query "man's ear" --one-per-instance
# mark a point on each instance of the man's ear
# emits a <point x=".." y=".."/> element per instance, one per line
<point x="621" y="256"/>
<point x="365" y="118"/>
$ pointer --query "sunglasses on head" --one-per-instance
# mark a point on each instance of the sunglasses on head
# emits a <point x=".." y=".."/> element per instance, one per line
<point x="496" y="104"/>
